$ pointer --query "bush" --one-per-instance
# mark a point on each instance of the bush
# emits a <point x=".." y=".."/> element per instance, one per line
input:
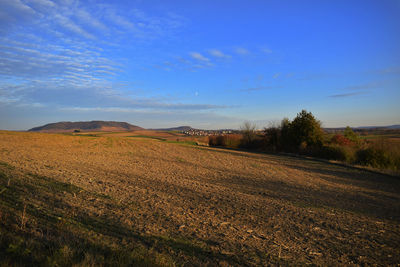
<point x="230" y="140"/>
<point x="233" y="140"/>
<point x="212" y="141"/>
<point x="351" y="135"/>
<point x="374" y="157"/>
<point x="339" y="139"/>
<point x="336" y="152"/>
<point x="257" y="143"/>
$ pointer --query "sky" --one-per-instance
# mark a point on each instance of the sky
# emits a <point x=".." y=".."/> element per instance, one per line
<point x="206" y="64"/>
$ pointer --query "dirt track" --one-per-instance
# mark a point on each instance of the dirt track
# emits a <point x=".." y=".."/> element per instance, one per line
<point x="232" y="207"/>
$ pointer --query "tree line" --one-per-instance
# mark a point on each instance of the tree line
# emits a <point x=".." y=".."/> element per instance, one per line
<point x="304" y="135"/>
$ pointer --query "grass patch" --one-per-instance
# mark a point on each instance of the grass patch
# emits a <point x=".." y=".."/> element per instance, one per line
<point x="191" y="143"/>
<point x="6" y="165"/>
<point x="180" y="159"/>
<point x="150" y="137"/>
<point x="86" y="135"/>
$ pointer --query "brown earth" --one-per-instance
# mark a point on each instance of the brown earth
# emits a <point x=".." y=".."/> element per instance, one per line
<point x="209" y="206"/>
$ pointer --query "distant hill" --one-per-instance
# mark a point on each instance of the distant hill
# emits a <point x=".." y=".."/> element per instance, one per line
<point x="67" y="126"/>
<point x="390" y="127"/>
<point x="179" y="128"/>
<point x="365" y="128"/>
<point x="394" y="126"/>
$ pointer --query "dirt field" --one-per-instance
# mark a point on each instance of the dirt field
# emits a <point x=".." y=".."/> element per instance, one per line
<point x="114" y="199"/>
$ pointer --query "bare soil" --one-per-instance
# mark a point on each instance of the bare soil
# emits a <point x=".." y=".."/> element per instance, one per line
<point x="195" y="205"/>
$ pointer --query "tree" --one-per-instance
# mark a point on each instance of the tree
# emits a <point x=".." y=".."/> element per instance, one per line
<point x="249" y="134"/>
<point x="277" y="136"/>
<point x="272" y="137"/>
<point x="305" y="130"/>
<point x="286" y="135"/>
<point x="350" y="134"/>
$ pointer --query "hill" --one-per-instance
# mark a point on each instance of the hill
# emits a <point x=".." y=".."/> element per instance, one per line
<point x="179" y="128"/>
<point x="105" y="126"/>
<point x="388" y="127"/>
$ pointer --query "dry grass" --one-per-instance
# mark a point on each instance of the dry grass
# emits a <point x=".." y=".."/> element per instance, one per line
<point x="120" y="200"/>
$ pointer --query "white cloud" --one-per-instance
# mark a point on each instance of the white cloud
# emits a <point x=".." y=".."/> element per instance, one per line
<point x="13" y="12"/>
<point x="218" y="53"/>
<point x="68" y="24"/>
<point x="266" y="50"/>
<point x="84" y="16"/>
<point x="276" y="75"/>
<point x="242" y="51"/>
<point x="199" y="57"/>
<point x="120" y="20"/>
<point x="45" y="3"/>
<point x="37" y="59"/>
<point x="54" y="63"/>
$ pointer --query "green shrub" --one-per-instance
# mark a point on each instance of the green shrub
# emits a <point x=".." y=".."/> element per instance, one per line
<point x="336" y="152"/>
<point x="351" y="135"/>
<point x="374" y="157"/>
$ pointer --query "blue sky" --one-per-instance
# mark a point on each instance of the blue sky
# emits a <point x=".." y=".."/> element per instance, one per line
<point x="207" y="64"/>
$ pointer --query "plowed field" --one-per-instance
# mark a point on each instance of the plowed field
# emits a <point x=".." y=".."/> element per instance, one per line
<point x="115" y="200"/>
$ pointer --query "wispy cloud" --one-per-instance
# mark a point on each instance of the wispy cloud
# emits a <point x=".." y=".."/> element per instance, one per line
<point x="389" y="70"/>
<point x="348" y="94"/>
<point x="242" y="51"/>
<point x="13" y="12"/>
<point x="65" y="59"/>
<point x="313" y="76"/>
<point x="68" y="24"/>
<point x="266" y="50"/>
<point x="96" y="21"/>
<point x="40" y="60"/>
<point x="154" y="107"/>
<point x="260" y="88"/>
<point x="371" y="85"/>
<point x="88" y="19"/>
<point x="97" y="95"/>
<point x="198" y="56"/>
<point x="276" y="75"/>
<point x="218" y="53"/>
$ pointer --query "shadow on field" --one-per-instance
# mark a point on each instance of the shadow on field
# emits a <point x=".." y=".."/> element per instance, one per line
<point x="377" y="204"/>
<point x="330" y="187"/>
<point x="40" y="227"/>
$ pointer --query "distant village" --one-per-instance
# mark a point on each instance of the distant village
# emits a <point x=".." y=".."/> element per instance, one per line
<point x="197" y="132"/>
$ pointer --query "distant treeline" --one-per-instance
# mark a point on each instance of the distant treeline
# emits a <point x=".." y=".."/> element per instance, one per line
<point x="304" y="135"/>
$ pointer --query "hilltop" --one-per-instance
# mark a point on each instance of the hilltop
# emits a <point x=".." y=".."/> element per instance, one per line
<point x="67" y="126"/>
